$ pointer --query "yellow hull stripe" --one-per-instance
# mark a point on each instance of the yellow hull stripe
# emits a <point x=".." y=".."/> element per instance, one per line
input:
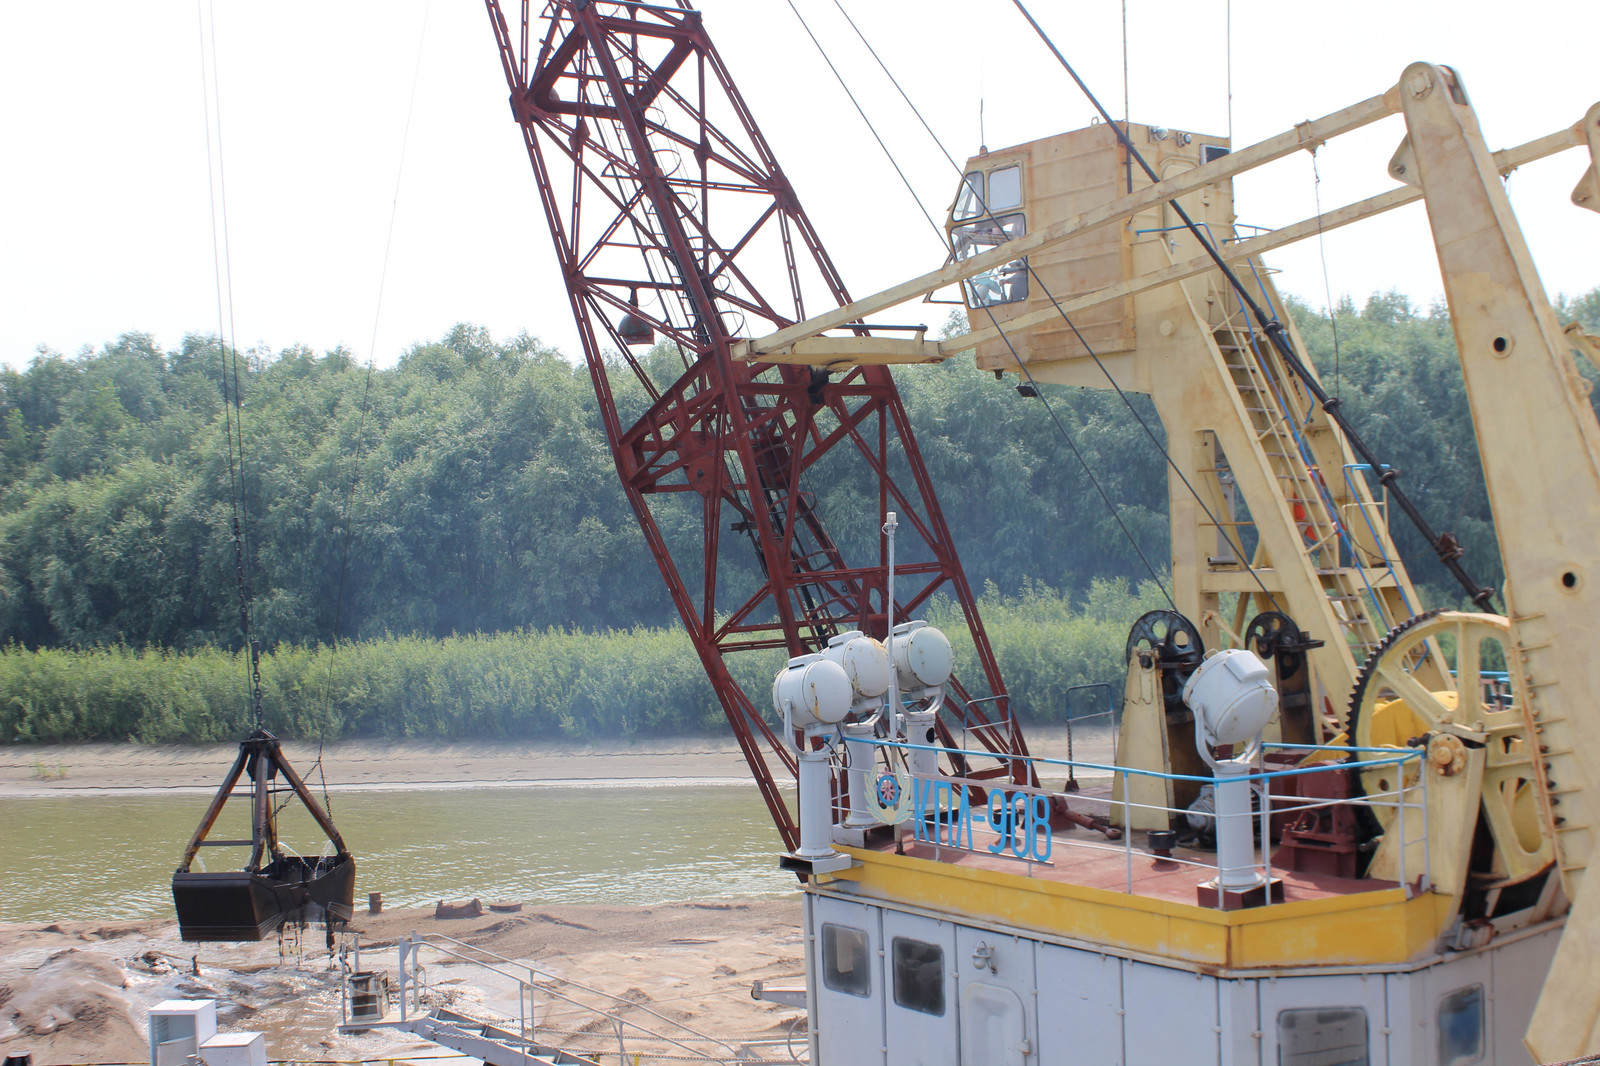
<point x="1365" y="928"/>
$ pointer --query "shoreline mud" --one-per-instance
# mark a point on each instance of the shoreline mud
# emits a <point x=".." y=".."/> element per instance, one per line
<point x="31" y="771"/>
<point x="78" y="992"/>
<point x="100" y="768"/>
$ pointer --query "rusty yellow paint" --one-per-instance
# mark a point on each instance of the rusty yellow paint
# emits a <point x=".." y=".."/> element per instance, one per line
<point x="1375" y="928"/>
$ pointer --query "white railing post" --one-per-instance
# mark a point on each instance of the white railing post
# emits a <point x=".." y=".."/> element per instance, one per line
<point x="1265" y="792"/>
<point x="404" y="943"/>
<point x="1127" y="829"/>
<point x="1401" y="809"/>
<point x="1427" y="854"/>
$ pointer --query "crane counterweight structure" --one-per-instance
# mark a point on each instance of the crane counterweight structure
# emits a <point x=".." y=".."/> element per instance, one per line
<point x="671" y="219"/>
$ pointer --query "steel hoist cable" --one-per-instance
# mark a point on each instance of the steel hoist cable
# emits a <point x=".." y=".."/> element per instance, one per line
<point x="1231" y="537"/>
<point x="366" y="395"/>
<point x="228" y="350"/>
<point x="1322" y="252"/>
<point x="1445" y="545"/>
<point x="1055" y="418"/>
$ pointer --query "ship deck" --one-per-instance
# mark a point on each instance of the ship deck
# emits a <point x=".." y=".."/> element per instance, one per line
<point x="1089" y="859"/>
<point x="1084" y="858"/>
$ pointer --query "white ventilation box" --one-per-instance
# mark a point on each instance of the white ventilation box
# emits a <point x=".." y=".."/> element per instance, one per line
<point x="234" y="1049"/>
<point x="178" y="1027"/>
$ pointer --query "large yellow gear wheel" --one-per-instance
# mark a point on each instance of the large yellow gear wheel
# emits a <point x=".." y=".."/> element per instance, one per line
<point x="1392" y="708"/>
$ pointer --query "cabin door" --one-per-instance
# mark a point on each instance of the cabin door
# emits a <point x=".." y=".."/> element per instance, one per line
<point x="999" y="986"/>
<point x="993" y="1026"/>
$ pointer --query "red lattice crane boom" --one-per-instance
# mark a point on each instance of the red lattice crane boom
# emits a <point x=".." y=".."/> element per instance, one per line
<point x="671" y="219"/>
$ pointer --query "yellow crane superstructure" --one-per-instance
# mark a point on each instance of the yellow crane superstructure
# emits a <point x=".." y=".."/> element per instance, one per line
<point x="1077" y="269"/>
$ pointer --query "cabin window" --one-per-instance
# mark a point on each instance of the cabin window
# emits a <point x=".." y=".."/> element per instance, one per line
<point x="1325" y="1036"/>
<point x="1005" y="188"/>
<point x="844" y="960"/>
<point x="1005" y="284"/>
<point x="919" y="975"/>
<point x="970" y="200"/>
<point x="1461" y="1027"/>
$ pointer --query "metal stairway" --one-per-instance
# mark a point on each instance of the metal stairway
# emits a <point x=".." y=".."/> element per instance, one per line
<point x="1280" y="428"/>
<point x="1344" y="537"/>
<point x="494" y="1044"/>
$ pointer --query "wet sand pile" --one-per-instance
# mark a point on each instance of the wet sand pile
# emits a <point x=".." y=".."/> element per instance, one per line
<point x="78" y="992"/>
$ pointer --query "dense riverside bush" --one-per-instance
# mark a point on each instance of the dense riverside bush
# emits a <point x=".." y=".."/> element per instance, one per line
<point x="557" y="684"/>
<point x="1046" y="644"/>
<point x="468" y="489"/>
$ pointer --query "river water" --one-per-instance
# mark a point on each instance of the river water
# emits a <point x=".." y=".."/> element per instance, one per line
<point x="635" y="842"/>
<point x="96" y="857"/>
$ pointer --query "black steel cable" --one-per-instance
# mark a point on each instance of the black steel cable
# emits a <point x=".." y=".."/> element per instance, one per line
<point x="1231" y="537"/>
<point x="870" y="127"/>
<point x="1327" y="286"/>
<point x="1445" y="546"/>
<point x="1233" y="540"/>
<point x="222" y="267"/>
<point x="1055" y="417"/>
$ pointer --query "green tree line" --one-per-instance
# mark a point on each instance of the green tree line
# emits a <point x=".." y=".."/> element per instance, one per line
<point x="465" y="497"/>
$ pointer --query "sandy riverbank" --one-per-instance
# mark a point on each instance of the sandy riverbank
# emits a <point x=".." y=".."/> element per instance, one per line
<point x="65" y="769"/>
<point x="78" y="992"/>
<point x="107" y="769"/>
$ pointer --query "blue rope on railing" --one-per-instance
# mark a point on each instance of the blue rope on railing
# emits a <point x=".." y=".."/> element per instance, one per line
<point x="1390" y="757"/>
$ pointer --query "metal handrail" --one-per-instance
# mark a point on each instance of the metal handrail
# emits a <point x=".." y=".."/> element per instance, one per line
<point x="1110" y="712"/>
<point x="1392" y="756"/>
<point x="1259" y="782"/>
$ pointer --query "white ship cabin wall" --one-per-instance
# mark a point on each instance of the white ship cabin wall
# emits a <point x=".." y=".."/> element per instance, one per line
<point x="907" y="987"/>
<point x="945" y="948"/>
<point x="949" y="923"/>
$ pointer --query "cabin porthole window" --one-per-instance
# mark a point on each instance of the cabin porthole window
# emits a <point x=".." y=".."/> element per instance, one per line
<point x="918" y="975"/>
<point x="1461" y="1027"/>
<point x="1323" y="1036"/>
<point x="845" y="960"/>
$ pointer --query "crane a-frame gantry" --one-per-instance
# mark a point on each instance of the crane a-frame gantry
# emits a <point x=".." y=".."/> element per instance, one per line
<point x="672" y="220"/>
<point x="1538" y="438"/>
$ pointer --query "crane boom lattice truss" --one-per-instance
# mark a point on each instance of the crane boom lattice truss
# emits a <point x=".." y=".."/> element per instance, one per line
<point x="671" y="217"/>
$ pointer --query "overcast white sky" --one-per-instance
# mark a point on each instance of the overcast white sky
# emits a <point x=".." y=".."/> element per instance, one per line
<point x="106" y="225"/>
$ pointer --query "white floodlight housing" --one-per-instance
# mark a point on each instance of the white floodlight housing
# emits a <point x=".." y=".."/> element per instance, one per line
<point x="866" y="664"/>
<point x="922" y="658"/>
<point x="1232" y="697"/>
<point x="812" y="692"/>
